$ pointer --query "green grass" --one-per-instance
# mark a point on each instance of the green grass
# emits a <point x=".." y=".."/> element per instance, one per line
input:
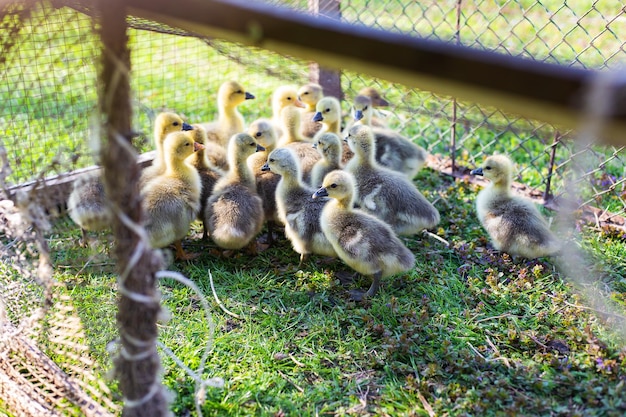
<point x="468" y="330"/>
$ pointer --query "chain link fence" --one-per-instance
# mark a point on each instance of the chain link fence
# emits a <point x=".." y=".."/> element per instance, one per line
<point x="579" y="34"/>
<point x="59" y="80"/>
<point x="48" y="84"/>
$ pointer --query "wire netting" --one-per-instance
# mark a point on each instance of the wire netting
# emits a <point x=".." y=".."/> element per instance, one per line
<point x="48" y="85"/>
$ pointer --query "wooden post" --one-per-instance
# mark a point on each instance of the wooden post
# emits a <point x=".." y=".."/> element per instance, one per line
<point x="137" y="365"/>
<point x="329" y="79"/>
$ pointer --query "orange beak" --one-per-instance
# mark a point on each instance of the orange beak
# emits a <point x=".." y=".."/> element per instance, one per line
<point x="197" y="146"/>
<point x="300" y="104"/>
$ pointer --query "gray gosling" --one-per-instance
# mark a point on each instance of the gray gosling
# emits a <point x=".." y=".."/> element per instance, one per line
<point x="296" y="209"/>
<point x="393" y="150"/>
<point x="329" y="145"/>
<point x="379" y="116"/>
<point x="513" y="223"/>
<point x="329" y="113"/>
<point x="374" y="95"/>
<point x="387" y="194"/>
<point x="234" y="211"/>
<point x="209" y="174"/>
<point x="364" y="242"/>
<point x="264" y="134"/>
<point x="88" y="206"/>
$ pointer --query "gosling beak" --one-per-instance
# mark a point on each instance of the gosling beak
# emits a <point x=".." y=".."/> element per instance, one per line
<point x="259" y="148"/>
<point x="187" y="126"/>
<point x="265" y="167"/>
<point x="322" y="192"/>
<point x="318" y="117"/>
<point x="358" y="114"/>
<point x="477" y="171"/>
<point x="249" y="96"/>
<point x="197" y="146"/>
<point x="314" y="146"/>
<point x="300" y="104"/>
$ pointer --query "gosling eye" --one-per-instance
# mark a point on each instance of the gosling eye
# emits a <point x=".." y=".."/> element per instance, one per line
<point x="271" y="159"/>
<point x="327" y="110"/>
<point x="333" y="185"/>
<point x="488" y="168"/>
<point x="306" y="92"/>
<point x="252" y="144"/>
<point x="257" y="134"/>
<point x="239" y="92"/>
<point x="175" y="123"/>
<point x="289" y="98"/>
<point x="365" y="108"/>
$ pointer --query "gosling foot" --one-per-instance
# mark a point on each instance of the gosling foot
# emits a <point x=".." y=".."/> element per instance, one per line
<point x="359" y="296"/>
<point x="181" y="255"/>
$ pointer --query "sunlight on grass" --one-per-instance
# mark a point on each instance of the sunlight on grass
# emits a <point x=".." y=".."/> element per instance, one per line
<point x="468" y="330"/>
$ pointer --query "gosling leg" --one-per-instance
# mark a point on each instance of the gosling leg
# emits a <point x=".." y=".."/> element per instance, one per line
<point x="375" y="284"/>
<point x="83" y="242"/>
<point x="270" y="233"/>
<point x="358" y="295"/>
<point x="181" y="255"/>
<point x="205" y="232"/>
<point x="303" y="258"/>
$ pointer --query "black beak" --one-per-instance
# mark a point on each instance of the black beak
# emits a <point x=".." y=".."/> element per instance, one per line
<point x="477" y="171"/>
<point x="187" y="126"/>
<point x="315" y="146"/>
<point x="322" y="192"/>
<point x="265" y="167"/>
<point x="318" y="117"/>
<point x="259" y="148"/>
<point x="249" y="96"/>
<point x="358" y="115"/>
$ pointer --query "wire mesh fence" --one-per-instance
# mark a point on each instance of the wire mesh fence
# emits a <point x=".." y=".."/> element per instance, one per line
<point x="61" y="80"/>
<point x="48" y="85"/>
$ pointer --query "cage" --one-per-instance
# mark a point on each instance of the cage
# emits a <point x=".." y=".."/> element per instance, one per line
<point x="59" y="299"/>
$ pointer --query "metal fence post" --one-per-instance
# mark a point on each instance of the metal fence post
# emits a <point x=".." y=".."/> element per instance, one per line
<point x="547" y="192"/>
<point x="457" y="37"/>
<point x="329" y="79"/>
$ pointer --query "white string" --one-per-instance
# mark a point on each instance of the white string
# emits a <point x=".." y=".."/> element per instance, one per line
<point x="136" y="356"/>
<point x="200" y="384"/>
<point x="141" y="401"/>
<point x="138" y="342"/>
<point x="217" y="300"/>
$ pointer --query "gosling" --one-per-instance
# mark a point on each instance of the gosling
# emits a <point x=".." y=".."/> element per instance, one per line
<point x="513" y="223"/>
<point x="367" y="244"/>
